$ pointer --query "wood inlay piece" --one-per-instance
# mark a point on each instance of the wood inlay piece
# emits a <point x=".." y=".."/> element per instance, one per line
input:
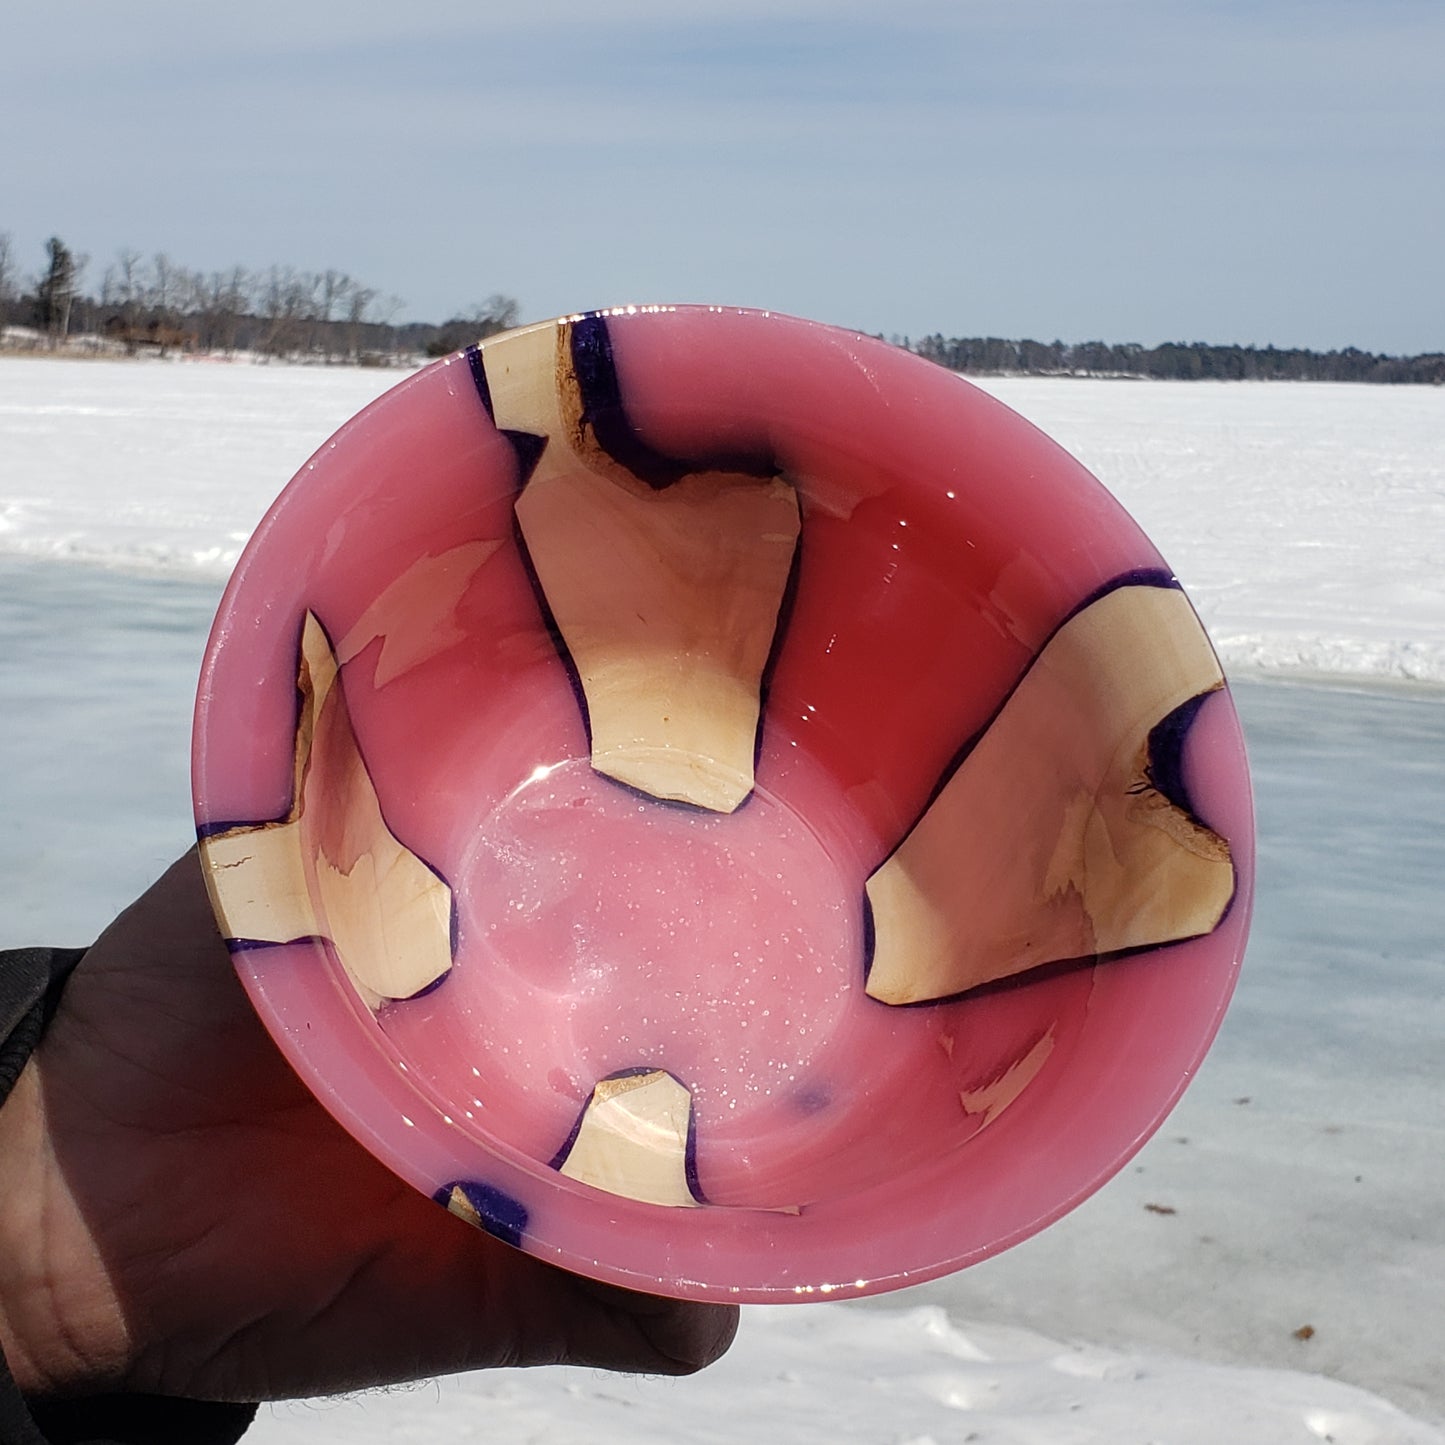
<point x="666" y="596"/>
<point x="1051" y="841"/>
<point x="332" y="868"/>
<point x="632" y="1140"/>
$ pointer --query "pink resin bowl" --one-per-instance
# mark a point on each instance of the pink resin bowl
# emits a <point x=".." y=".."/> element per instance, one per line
<point x="723" y="804"/>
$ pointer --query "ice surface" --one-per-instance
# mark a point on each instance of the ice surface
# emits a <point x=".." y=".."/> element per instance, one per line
<point x="1305" y="1165"/>
<point x="1306" y="520"/>
<point x="158" y="466"/>
<point x="1299" y="1181"/>
<point x="821" y="1374"/>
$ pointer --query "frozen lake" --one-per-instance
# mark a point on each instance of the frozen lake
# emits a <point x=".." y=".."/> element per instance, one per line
<point x="1298" y="1184"/>
<point x="1306" y="520"/>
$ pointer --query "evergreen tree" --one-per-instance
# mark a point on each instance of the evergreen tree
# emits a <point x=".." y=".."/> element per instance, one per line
<point x="56" y="293"/>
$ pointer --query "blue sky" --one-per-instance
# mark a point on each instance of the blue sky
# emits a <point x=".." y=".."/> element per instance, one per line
<point x="1137" y="170"/>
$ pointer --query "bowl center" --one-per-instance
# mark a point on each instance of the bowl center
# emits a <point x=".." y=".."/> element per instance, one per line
<point x="601" y="932"/>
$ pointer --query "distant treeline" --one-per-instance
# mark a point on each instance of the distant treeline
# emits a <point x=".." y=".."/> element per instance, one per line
<point x="1174" y="361"/>
<point x="152" y="305"/>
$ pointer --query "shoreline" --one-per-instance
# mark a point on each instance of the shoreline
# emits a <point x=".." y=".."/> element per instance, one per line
<point x="91" y="347"/>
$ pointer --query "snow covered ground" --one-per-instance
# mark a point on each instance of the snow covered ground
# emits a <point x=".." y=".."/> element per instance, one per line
<point x="1307" y="521"/>
<point x="1297" y="1185"/>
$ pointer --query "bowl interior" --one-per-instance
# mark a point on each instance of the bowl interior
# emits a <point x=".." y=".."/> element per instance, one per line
<point x="723" y="804"/>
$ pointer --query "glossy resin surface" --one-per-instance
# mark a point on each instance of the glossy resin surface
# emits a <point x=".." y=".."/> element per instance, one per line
<point x="723" y="804"/>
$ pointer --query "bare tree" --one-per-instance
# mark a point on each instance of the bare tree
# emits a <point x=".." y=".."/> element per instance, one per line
<point x="286" y="302"/>
<point x="496" y="313"/>
<point x="333" y="287"/>
<point x="228" y="298"/>
<point x="8" y="288"/>
<point x="167" y="289"/>
<point x="358" y="304"/>
<point x="123" y="295"/>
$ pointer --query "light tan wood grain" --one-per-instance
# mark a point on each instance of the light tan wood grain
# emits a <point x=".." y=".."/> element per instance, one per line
<point x="332" y="868"/>
<point x="1050" y="842"/>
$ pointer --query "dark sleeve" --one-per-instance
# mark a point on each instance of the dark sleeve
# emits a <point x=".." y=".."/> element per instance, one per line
<point x="30" y="983"/>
